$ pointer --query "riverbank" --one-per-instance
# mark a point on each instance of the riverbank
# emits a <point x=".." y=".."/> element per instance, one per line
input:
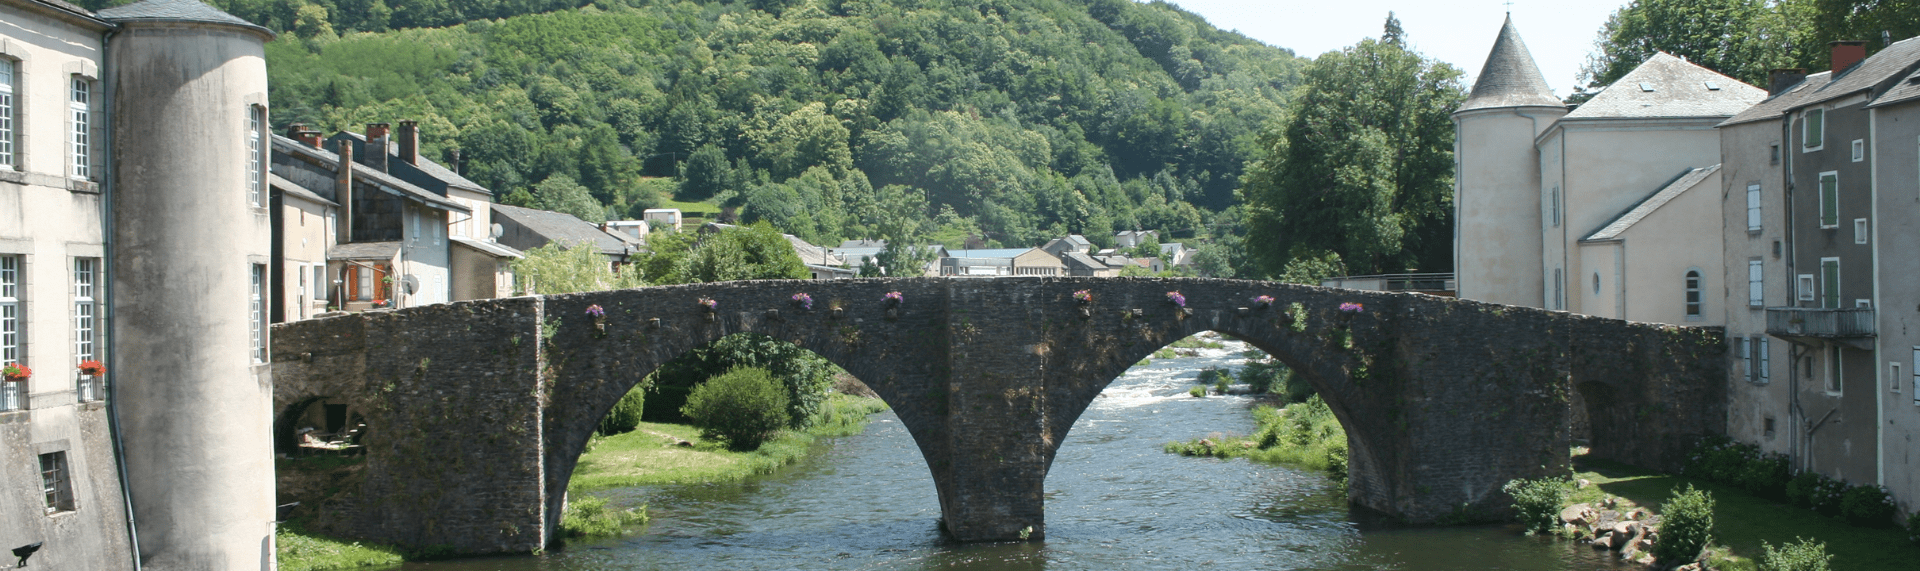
<point x="1742" y="520"/>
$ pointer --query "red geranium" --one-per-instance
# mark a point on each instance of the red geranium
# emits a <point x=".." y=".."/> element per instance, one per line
<point x="16" y="372"/>
<point x="94" y="368"/>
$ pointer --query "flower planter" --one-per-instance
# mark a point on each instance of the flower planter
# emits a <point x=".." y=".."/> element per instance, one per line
<point x="893" y="314"/>
<point x="837" y="313"/>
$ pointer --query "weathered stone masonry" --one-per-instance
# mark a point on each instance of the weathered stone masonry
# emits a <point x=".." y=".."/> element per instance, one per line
<point x="478" y="410"/>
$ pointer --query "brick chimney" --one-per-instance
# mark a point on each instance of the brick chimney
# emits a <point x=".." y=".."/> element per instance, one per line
<point x="377" y="142"/>
<point x="1846" y="53"/>
<point x="409" y="142"/>
<point x="293" y="131"/>
<point x="343" y="193"/>
<point x="1781" y="79"/>
<point x="311" y="138"/>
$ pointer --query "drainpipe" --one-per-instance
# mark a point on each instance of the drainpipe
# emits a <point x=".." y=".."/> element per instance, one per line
<point x="1873" y="213"/>
<point x="106" y="272"/>
<point x="1797" y="446"/>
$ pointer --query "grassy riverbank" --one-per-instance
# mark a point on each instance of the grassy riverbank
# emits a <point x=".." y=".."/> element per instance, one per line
<point x="651" y="454"/>
<point x="1742" y="520"/>
<point x="1303" y="434"/>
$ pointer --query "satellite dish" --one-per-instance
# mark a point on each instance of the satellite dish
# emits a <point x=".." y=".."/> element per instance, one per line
<point x="499" y="230"/>
<point x="412" y="284"/>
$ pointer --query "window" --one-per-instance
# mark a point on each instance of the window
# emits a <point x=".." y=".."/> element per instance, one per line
<point x="1915" y="369"/>
<point x="85" y="322"/>
<point x="1596" y="283"/>
<point x="1894" y="376"/>
<point x="304" y="296"/>
<point x="1753" y="207"/>
<point x="56" y="481"/>
<point x="1743" y="347"/>
<point x="1775" y="154"/>
<point x="1832" y="370"/>
<point x="1805" y="287"/>
<point x="80" y="107"/>
<point x="1756" y="283"/>
<point x="6" y="113"/>
<point x="1859" y="230"/>
<point x="414" y="215"/>
<point x="366" y="283"/>
<point x="1829" y="199"/>
<point x="1830" y="283"/>
<point x="1555" y="214"/>
<point x="320" y="285"/>
<point x="1859" y="150"/>
<point x="1559" y="290"/>
<point x="257" y="317"/>
<point x="256" y="178"/>
<point x="12" y="397"/>
<point x="1763" y="360"/>
<point x="1693" y="295"/>
<point x="1813" y="130"/>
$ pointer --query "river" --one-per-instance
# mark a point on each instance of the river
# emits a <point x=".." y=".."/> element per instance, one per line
<point x="1114" y="501"/>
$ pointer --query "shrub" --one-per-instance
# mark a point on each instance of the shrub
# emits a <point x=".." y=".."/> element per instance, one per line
<point x="1805" y="555"/>
<point x="1913" y="528"/>
<point x="1197" y="392"/>
<point x="1686" y="528"/>
<point x="1537" y="503"/>
<point x="1800" y="489"/>
<point x="1766" y="476"/>
<point x="1868" y="506"/>
<point x="625" y="415"/>
<point x="1828" y="494"/>
<point x="743" y="407"/>
<point x="588" y="516"/>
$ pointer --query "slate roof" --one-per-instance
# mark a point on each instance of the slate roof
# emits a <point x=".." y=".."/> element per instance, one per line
<point x="1687" y="180"/>
<point x="1773" y="107"/>
<point x="563" y="228"/>
<point x="1509" y="78"/>
<point x="432" y="169"/>
<point x="1084" y="260"/>
<point x="1896" y="60"/>
<point x="386" y="182"/>
<point x="1902" y="92"/>
<point x="1679" y="89"/>
<point x="494" y="249"/>
<point x="364" y="251"/>
<point x="1007" y="253"/>
<point x="177" y="11"/>
<point x="289" y="187"/>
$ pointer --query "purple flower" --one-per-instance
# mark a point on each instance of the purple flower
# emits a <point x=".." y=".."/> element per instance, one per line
<point x="803" y="300"/>
<point x="1175" y="298"/>
<point x="596" y="312"/>
<point x="1351" y="307"/>
<point x="709" y="304"/>
<point x="894" y="297"/>
<point x="1263" y="301"/>
<point x="1083" y="296"/>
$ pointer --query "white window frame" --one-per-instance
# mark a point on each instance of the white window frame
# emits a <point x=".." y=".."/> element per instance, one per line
<point x="56" y="482"/>
<point x="1829" y="219"/>
<point x="1764" y="359"/>
<point x="1830" y="291"/>
<point x="12" y="322"/>
<point x="257" y="312"/>
<point x="256" y="155"/>
<point x="9" y="144"/>
<point x="1813" y="127"/>
<point x="1859" y="230"/>
<point x="1859" y="150"/>
<point x="1915" y="370"/>
<point x="1694" y="294"/>
<point x="1753" y="207"/>
<point x="1806" y="287"/>
<point x="1756" y="283"/>
<point x="1895" y="375"/>
<point x="321" y="285"/>
<point x="86" y="320"/>
<point x="79" y="127"/>
<point x="1833" y="371"/>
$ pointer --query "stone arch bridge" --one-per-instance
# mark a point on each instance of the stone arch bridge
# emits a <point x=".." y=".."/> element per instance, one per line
<point x="479" y="410"/>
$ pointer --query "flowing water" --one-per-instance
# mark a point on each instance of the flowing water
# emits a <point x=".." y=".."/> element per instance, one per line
<point x="1114" y="501"/>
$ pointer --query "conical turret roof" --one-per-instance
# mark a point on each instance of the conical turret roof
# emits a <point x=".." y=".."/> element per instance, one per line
<point x="1510" y="78"/>
<point x="176" y="11"/>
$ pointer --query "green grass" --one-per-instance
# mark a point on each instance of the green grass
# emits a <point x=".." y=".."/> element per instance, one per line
<point x="1303" y="434"/>
<point x="296" y="550"/>
<point x="1196" y="342"/>
<point x="588" y="516"/>
<point x="648" y="456"/>
<point x="1742" y="521"/>
<point x="1165" y="353"/>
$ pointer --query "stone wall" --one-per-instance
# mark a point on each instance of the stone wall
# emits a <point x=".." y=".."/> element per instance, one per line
<point x="480" y="409"/>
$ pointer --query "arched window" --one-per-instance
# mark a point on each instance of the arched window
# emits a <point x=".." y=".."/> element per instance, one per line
<point x="1693" y="294"/>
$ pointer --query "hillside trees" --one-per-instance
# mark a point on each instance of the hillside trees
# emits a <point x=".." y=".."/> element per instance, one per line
<point x="1361" y="171"/>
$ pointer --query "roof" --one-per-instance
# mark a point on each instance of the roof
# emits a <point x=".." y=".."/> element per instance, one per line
<point x="431" y="168"/>
<point x="1779" y="103"/>
<point x="1007" y="253"/>
<point x="563" y="228"/>
<point x="1667" y="86"/>
<point x="1620" y="224"/>
<point x="1509" y="78"/>
<point x="494" y="249"/>
<point x="364" y="251"/>
<point x="1894" y="61"/>
<point x="863" y="243"/>
<point x="177" y="11"/>
<point x="296" y="190"/>
<point x="1083" y="259"/>
<point x="368" y="174"/>
<point x="1902" y="92"/>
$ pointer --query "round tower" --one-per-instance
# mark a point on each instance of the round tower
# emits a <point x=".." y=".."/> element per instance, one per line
<point x="1497" y="195"/>
<point x="188" y="247"/>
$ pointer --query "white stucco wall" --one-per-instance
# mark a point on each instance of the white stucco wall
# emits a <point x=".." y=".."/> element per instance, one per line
<point x="1496" y="244"/>
<point x="1896" y="235"/>
<point x="425" y="256"/>
<point x="1682" y="235"/>
<point x="306" y="234"/>
<point x="1746" y="158"/>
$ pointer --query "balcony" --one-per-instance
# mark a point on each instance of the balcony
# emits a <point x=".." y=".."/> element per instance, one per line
<point x="1853" y="327"/>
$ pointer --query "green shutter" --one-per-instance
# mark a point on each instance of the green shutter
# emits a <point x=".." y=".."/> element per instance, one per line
<point x="1815" y="130"/>
<point x="1829" y="200"/>
<point x="1830" y="284"/>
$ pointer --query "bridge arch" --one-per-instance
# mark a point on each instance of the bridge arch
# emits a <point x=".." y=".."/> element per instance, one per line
<point x="484" y="406"/>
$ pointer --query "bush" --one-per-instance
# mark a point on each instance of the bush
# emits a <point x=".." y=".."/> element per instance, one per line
<point x="1802" y="556"/>
<point x="588" y="516"/>
<point x="1767" y="476"/>
<point x="625" y="415"/>
<point x="1197" y="392"/>
<point x="1800" y="489"/>
<point x="1686" y="528"/>
<point x="1913" y="528"/>
<point x="1868" y="506"/>
<point x="743" y="407"/>
<point x="1537" y="503"/>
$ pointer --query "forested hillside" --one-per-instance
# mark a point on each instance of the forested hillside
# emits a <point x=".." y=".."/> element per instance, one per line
<point x="1016" y="119"/>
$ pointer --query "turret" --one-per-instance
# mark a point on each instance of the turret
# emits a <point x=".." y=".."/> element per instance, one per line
<point x="1497" y="198"/>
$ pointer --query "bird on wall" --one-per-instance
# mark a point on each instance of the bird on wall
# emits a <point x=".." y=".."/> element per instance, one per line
<point x="25" y="551"/>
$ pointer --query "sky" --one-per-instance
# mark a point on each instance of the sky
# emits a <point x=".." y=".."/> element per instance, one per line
<point x="1459" y="32"/>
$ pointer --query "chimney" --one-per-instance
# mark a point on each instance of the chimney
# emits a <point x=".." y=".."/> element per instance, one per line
<point x="453" y="161"/>
<point x="343" y="192"/>
<point x="376" y="151"/>
<point x="1780" y="80"/>
<point x="1846" y="53"/>
<point x="294" y="130"/>
<point x="409" y="141"/>
<point x="311" y="138"/>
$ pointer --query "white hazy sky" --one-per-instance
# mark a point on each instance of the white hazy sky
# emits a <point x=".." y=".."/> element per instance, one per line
<point x="1459" y="32"/>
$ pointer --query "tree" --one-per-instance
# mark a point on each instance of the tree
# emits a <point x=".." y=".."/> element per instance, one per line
<point x="706" y="173"/>
<point x="1742" y="39"/>
<point x="1362" y="166"/>
<point x="754" y="252"/>
<point x="743" y="407"/>
<point x="569" y="268"/>
<point x="559" y="193"/>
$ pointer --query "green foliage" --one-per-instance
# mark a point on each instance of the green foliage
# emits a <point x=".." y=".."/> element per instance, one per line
<point x="1686" y="526"/>
<point x="626" y="413"/>
<point x="1197" y="392"/>
<point x="1362" y="165"/>
<point x="568" y="268"/>
<point x="1719" y="459"/>
<point x="1309" y="268"/>
<point x="743" y="408"/>
<point x="559" y="193"/>
<point x="589" y="517"/>
<point x="1738" y="38"/>
<point x="1817" y="492"/>
<point x="1303" y="434"/>
<point x="1802" y="555"/>
<point x="297" y="550"/>
<point x="804" y="375"/>
<point x="1913" y="528"/>
<point x="1868" y="506"/>
<point x="753" y="252"/>
<point x="1537" y="503"/>
<point x="1265" y="374"/>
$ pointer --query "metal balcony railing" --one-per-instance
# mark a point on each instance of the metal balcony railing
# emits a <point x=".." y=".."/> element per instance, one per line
<point x="1427" y="283"/>
<point x="1852" y="323"/>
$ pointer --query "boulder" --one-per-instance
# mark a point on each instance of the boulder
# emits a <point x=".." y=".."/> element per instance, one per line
<point x="1585" y="482"/>
<point x="1626" y="528"/>
<point x="1577" y="514"/>
<point x="1604" y="542"/>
